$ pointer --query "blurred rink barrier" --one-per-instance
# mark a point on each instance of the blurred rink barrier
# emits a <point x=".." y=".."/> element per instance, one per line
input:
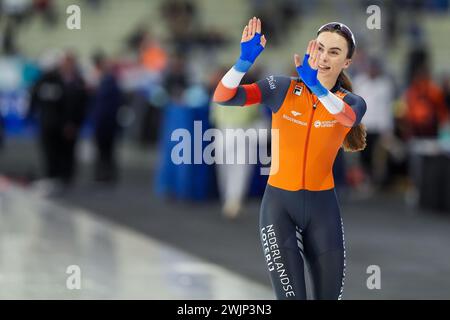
<point x="193" y="179"/>
<point x="430" y="172"/>
<point x="16" y="75"/>
<point x="187" y="181"/>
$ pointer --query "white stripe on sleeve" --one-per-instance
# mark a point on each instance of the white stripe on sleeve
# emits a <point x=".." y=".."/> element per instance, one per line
<point x="332" y="103"/>
<point x="232" y="78"/>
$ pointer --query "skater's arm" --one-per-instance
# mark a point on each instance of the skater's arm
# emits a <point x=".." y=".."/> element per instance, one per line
<point x="229" y="91"/>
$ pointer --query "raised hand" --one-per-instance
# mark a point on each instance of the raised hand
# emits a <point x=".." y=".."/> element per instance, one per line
<point x="308" y="69"/>
<point x="313" y="55"/>
<point x="250" y="30"/>
<point x="252" y="44"/>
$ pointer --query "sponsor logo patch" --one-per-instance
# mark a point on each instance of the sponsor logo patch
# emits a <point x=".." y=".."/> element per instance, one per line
<point x="302" y="123"/>
<point x="324" y="124"/>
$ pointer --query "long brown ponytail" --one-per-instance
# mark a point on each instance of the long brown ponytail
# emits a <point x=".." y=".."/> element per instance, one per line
<point x="356" y="137"/>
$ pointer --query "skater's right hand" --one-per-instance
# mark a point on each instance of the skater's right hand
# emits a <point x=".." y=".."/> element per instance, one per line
<point x="252" y="44"/>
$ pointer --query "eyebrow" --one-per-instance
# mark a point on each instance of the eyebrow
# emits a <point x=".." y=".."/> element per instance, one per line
<point x="330" y="48"/>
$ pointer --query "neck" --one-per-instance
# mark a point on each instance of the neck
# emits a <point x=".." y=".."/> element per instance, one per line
<point x="327" y="82"/>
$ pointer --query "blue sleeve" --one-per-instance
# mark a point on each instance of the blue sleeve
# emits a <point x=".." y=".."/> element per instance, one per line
<point x="358" y="106"/>
<point x="273" y="91"/>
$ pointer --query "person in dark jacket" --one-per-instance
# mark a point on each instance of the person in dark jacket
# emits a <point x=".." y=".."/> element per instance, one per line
<point x="106" y="102"/>
<point x="60" y="98"/>
<point x="76" y="98"/>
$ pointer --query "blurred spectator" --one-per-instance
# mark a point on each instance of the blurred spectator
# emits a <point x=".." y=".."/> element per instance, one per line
<point x="153" y="56"/>
<point x="105" y="106"/>
<point x="360" y="60"/>
<point x="377" y="88"/>
<point x="446" y="89"/>
<point x="278" y="17"/>
<point x="60" y="98"/>
<point x="424" y="115"/>
<point x="211" y="38"/>
<point x="46" y="9"/>
<point x="9" y="45"/>
<point x="181" y="19"/>
<point x="392" y="22"/>
<point x="1" y="130"/>
<point x="176" y="79"/>
<point x="16" y="10"/>
<point x="425" y="102"/>
<point x="185" y="29"/>
<point x="141" y="80"/>
<point x="75" y="96"/>
<point x="135" y="39"/>
<point x="148" y="117"/>
<point x="95" y="4"/>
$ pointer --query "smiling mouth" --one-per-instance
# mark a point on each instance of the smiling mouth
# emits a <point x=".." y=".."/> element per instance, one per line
<point x="324" y="68"/>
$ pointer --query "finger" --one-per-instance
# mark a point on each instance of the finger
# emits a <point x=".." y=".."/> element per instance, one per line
<point x="263" y="41"/>
<point x="250" y="27"/>
<point x="244" y="34"/>
<point x="258" y="26"/>
<point x="308" y="50"/>
<point x="315" y="62"/>
<point x="311" y="53"/>
<point x="312" y="62"/>
<point x="255" y="24"/>
<point x="297" y="60"/>
<point x="313" y="48"/>
<point x="252" y="22"/>
<point x="314" y="51"/>
<point x="315" y="57"/>
<point x="317" y="54"/>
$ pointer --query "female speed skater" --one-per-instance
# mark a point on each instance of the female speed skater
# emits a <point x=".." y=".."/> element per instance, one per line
<point x="315" y="114"/>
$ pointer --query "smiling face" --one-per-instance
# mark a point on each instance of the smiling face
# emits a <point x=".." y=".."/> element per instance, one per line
<point x="333" y="59"/>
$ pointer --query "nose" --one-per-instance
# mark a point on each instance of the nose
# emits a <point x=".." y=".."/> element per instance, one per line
<point x="323" y="58"/>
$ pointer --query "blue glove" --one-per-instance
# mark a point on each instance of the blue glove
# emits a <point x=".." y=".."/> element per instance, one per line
<point x="250" y="50"/>
<point x="309" y="77"/>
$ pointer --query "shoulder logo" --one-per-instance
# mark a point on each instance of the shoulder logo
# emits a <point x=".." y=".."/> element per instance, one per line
<point x="296" y="113"/>
<point x="298" y="90"/>
<point x="272" y="82"/>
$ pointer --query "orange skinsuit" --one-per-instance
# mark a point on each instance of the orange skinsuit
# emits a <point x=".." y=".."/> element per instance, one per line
<point x="307" y="148"/>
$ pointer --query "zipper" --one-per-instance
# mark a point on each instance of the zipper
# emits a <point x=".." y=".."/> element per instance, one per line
<point x="307" y="142"/>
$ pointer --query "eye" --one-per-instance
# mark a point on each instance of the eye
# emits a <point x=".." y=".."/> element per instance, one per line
<point x="320" y="49"/>
<point x="334" y="52"/>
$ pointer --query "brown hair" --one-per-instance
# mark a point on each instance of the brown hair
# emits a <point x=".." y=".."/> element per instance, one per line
<point x="355" y="140"/>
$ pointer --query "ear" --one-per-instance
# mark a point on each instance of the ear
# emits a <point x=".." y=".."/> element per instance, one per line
<point x="347" y="63"/>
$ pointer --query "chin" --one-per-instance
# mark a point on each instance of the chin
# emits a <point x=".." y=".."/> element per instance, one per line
<point x="325" y="73"/>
